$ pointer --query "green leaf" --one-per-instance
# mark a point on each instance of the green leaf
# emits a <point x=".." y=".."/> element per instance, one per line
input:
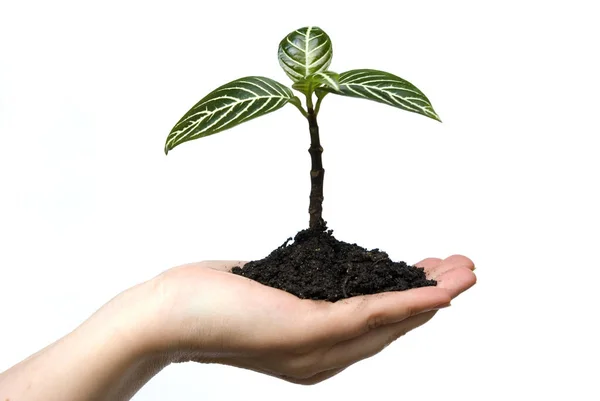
<point x="304" y="52"/>
<point x="229" y="105"/>
<point x="327" y="79"/>
<point x="385" y="88"/>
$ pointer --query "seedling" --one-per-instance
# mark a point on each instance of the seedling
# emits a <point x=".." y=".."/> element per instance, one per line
<point x="305" y="56"/>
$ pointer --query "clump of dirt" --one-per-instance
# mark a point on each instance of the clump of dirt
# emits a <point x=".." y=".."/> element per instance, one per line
<point x="318" y="266"/>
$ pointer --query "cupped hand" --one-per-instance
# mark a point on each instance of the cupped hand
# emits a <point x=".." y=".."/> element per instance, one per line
<point x="209" y="315"/>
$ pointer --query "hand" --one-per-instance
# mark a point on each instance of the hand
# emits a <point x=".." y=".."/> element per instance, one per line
<point x="207" y="314"/>
<point x="201" y="312"/>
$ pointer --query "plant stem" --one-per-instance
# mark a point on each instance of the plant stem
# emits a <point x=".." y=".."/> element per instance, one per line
<point x="317" y="173"/>
<point x="318" y="105"/>
<point x="309" y="101"/>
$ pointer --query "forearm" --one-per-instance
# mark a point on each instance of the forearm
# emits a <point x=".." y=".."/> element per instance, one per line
<point x="106" y="358"/>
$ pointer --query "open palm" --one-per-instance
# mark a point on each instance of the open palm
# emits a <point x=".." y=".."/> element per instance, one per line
<point x="219" y="317"/>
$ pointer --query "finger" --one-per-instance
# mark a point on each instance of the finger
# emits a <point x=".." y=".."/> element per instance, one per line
<point x="305" y="366"/>
<point x="222" y="265"/>
<point x="448" y="264"/>
<point x="457" y="280"/>
<point x="429" y="263"/>
<point x="318" y="365"/>
<point x="348" y="352"/>
<point x="332" y="323"/>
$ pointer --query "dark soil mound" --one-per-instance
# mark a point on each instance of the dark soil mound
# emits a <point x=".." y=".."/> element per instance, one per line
<point x="318" y="266"/>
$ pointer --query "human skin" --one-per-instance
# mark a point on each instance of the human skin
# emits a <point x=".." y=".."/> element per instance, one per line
<point x="200" y="312"/>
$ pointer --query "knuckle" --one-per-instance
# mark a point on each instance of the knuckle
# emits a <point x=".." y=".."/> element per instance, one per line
<point x="411" y="311"/>
<point x="375" y="321"/>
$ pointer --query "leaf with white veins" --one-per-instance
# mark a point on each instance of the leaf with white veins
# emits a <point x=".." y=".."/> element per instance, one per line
<point x="229" y="105"/>
<point x="385" y="88"/>
<point x="304" y="52"/>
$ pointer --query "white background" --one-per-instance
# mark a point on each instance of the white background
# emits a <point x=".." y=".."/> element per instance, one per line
<point x="90" y="205"/>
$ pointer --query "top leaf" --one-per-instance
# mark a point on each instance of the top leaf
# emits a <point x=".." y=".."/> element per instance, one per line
<point x="304" y="52"/>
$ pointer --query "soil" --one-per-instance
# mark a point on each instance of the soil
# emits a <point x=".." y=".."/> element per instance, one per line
<point x="318" y="266"/>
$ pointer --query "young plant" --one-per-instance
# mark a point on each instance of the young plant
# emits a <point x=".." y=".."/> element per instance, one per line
<point x="305" y="56"/>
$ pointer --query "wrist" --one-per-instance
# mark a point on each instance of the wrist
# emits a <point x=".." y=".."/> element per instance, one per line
<point x="124" y="335"/>
<point x="174" y="324"/>
<point x="130" y="322"/>
<point x="145" y="322"/>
